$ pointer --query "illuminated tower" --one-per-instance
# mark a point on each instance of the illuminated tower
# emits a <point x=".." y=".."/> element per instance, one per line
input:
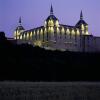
<point x="18" y="30"/>
<point x="82" y="25"/>
<point x="51" y="24"/>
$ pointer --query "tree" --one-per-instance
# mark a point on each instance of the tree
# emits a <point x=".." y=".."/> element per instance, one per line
<point x="2" y="36"/>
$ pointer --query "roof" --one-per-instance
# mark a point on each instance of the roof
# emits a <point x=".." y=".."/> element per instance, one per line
<point x="33" y="29"/>
<point x="81" y="22"/>
<point x="20" y="28"/>
<point x="51" y="17"/>
<point x="67" y="26"/>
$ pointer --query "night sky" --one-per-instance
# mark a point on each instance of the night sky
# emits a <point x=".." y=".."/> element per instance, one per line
<point x="34" y="13"/>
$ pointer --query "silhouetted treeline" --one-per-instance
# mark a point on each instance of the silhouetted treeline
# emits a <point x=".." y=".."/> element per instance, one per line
<point x="27" y="63"/>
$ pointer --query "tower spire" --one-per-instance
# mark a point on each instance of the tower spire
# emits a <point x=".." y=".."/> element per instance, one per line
<point x="81" y="15"/>
<point x="51" y="10"/>
<point x="20" y="21"/>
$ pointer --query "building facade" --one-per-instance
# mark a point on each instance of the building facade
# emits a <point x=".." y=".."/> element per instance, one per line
<point x="55" y="36"/>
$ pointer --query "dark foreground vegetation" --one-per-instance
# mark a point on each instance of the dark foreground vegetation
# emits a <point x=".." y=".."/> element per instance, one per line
<point x="27" y="63"/>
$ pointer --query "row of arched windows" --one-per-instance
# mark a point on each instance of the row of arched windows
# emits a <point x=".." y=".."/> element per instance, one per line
<point x="43" y="32"/>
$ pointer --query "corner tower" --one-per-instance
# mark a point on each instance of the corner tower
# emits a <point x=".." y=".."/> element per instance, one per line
<point x="82" y="25"/>
<point x="51" y="20"/>
<point x="18" y="30"/>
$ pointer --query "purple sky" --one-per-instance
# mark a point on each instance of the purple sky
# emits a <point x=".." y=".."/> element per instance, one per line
<point x="34" y="12"/>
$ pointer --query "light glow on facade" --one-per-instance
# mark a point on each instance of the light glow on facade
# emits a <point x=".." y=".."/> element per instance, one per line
<point x="87" y="33"/>
<point x="45" y="24"/>
<point x="82" y="27"/>
<point x="15" y="34"/>
<point x="62" y="30"/>
<point x="50" y="23"/>
<point x="31" y="34"/>
<point x="52" y="30"/>
<point x="45" y="30"/>
<point x="41" y="32"/>
<point x="34" y="33"/>
<point x="77" y="32"/>
<point x="27" y="35"/>
<point x="38" y="32"/>
<point x="49" y="29"/>
<point x="21" y="37"/>
<point x="24" y="36"/>
<point x="57" y="23"/>
<point x="58" y="30"/>
<point x="67" y="31"/>
<point x="73" y="32"/>
<point x="38" y="43"/>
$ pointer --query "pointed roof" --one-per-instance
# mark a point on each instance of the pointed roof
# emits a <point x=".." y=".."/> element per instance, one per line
<point x="51" y="16"/>
<point x="20" y="27"/>
<point x="81" y="21"/>
<point x="81" y="15"/>
<point x="20" y="21"/>
<point x="51" y="10"/>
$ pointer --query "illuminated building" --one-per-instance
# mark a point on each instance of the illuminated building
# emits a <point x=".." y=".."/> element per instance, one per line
<point x="55" y="36"/>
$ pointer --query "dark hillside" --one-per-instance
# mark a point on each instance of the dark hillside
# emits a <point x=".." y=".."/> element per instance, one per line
<point x="25" y="62"/>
